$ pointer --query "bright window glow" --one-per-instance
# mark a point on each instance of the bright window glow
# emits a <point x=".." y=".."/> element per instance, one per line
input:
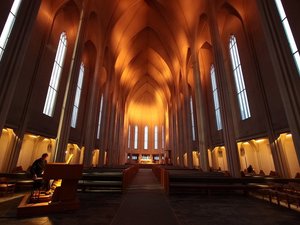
<point x="162" y="137"/>
<point x="239" y="79"/>
<point x="77" y="96"/>
<point x="128" y="141"/>
<point x="156" y="137"/>
<point x="216" y="97"/>
<point x="146" y="137"/>
<point x="136" y="134"/>
<point x="288" y="33"/>
<point x="192" y="119"/>
<point x="100" y="117"/>
<point x="9" y="26"/>
<point x="156" y="157"/>
<point x="146" y="157"/>
<point x="55" y="76"/>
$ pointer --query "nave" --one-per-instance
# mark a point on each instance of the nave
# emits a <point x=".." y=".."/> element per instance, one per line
<point x="206" y="92"/>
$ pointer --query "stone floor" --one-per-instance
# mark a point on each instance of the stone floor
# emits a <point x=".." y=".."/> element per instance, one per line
<point x="145" y="203"/>
<point x="230" y="210"/>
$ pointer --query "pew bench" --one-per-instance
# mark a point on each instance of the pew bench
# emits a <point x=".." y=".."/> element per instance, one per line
<point x="107" y="179"/>
<point x="288" y="193"/>
<point x="21" y="181"/>
<point x="97" y="181"/>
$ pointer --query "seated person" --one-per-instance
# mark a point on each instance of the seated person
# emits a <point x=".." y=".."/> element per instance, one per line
<point x="250" y="169"/>
<point x="37" y="170"/>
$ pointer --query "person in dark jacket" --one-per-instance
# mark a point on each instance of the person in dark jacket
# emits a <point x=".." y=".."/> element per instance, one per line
<point x="37" y="171"/>
<point x="38" y="167"/>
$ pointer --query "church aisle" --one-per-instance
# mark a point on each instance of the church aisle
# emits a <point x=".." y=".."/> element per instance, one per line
<point x="145" y="203"/>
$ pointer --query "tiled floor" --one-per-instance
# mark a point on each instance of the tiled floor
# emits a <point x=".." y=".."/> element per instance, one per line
<point x="144" y="204"/>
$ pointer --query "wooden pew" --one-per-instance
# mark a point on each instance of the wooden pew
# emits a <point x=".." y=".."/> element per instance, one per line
<point x="192" y="181"/>
<point x="21" y="180"/>
<point x="107" y="179"/>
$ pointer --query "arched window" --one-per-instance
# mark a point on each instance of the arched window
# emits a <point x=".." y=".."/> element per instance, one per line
<point x="129" y="136"/>
<point x="100" y="117"/>
<point x="136" y="135"/>
<point x="146" y="137"/>
<point x="289" y="34"/>
<point x="55" y="76"/>
<point x="156" y="137"/>
<point x="215" y="97"/>
<point x="192" y="119"/>
<point x="162" y="137"/>
<point x="239" y="79"/>
<point x="9" y="25"/>
<point x="77" y="96"/>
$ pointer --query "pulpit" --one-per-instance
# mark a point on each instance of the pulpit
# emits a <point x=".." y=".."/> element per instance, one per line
<point x="63" y="191"/>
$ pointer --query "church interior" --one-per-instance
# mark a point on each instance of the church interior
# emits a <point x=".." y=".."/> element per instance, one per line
<point x="188" y="107"/>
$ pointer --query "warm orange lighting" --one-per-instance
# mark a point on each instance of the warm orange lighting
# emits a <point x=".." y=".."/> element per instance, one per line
<point x="32" y="136"/>
<point x="260" y="140"/>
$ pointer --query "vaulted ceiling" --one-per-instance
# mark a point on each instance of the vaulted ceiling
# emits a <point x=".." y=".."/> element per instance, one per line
<point x="148" y="41"/>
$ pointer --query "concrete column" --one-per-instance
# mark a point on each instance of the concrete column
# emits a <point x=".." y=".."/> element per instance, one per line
<point x="200" y="115"/>
<point x="226" y="113"/>
<point x="122" y="145"/>
<point x="91" y="119"/>
<point x="175" y="143"/>
<point x="116" y="135"/>
<point x="105" y="118"/>
<point x="171" y="145"/>
<point x="111" y="129"/>
<point x="67" y="107"/>
<point x="188" y="139"/>
<point x="101" y="157"/>
<point x="179" y="129"/>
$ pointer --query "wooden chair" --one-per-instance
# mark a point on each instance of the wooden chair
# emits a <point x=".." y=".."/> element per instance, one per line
<point x="5" y="187"/>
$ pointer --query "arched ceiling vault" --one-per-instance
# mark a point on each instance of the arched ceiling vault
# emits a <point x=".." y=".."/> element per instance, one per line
<point x="148" y="41"/>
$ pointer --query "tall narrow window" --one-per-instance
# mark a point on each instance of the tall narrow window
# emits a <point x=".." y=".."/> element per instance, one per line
<point x="192" y="119"/>
<point x="156" y="137"/>
<point x="239" y="79"/>
<point x="146" y="137"/>
<point x="100" y="117"/>
<point x="215" y="97"/>
<point x="55" y="76"/>
<point x="162" y="137"/>
<point x="136" y="135"/>
<point x="288" y="33"/>
<point x="129" y="136"/>
<point x="77" y="96"/>
<point x="9" y="25"/>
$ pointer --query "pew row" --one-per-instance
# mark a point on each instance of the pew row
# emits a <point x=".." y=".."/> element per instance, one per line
<point x="106" y="179"/>
<point x="188" y="181"/>
<point x="283" y="193"/>
<point x="21" y="180"/>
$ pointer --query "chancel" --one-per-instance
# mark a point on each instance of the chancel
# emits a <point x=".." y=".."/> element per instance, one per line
<point x="164" y="109"/>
